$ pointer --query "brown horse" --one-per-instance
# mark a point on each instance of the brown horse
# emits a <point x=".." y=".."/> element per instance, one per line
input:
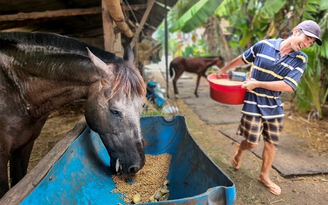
<point x="197" y="65"/>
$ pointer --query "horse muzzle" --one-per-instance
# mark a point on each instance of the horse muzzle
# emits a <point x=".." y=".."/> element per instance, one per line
<point x="117" y="167"/>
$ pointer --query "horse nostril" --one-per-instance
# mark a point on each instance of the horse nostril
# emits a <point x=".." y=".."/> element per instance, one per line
<point x="133" y="169"/>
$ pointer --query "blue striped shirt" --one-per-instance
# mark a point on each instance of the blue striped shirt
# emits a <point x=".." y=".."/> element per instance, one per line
<point x="269" y="66"/>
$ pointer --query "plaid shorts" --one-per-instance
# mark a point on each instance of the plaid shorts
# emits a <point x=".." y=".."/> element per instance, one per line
<point x="252" y="128"/>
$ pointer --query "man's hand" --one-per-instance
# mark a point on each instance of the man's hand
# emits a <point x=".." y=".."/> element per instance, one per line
<point x="250" y="84"/>
<point x="219" y="74"/>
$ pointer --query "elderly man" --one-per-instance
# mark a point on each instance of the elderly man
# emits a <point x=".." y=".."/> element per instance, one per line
<point x="277" y="65"/>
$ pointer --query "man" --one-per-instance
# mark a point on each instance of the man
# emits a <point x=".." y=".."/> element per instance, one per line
<point x="277" y="65"/>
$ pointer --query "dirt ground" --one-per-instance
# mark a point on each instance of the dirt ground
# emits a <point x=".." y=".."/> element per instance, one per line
<point x="307" y="190"/>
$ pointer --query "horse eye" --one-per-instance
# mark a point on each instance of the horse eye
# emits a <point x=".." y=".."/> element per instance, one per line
<point x="115" y="112"/>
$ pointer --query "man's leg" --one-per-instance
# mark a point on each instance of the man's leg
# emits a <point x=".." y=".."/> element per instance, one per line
<point x="238" y="152"/>
<point x="250" y="128"/>
<point x="269" y="152"/>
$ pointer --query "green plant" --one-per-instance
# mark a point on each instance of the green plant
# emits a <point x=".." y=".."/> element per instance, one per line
<point x="313" y="90"/>
<point x="197" y="49"/>
<point x="152" y="112"/>
<point x="195" y="16"/>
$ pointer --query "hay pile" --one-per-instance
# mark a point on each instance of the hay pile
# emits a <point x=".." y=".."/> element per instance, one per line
<point x="147" y="181"/>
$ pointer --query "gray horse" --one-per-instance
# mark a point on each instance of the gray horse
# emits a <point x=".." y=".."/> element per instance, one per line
<point x="41" y="72"/>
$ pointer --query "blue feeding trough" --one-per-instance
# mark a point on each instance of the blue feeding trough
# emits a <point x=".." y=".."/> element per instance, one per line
<point x="81" y="174"/>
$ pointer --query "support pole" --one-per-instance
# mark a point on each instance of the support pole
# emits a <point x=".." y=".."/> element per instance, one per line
<point x="166" y="52"/>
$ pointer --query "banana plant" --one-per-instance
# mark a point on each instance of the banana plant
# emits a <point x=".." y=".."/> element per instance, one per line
<point x="196" y="16"/>
<point x="249" y="19"/>
<point x="313" y="88"/>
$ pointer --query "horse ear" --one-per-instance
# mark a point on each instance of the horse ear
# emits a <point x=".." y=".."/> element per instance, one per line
<point x="128" y="54"/>
<point x="103" y="68"/>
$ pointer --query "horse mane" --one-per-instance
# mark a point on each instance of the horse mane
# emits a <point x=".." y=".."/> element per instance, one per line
<point x="127" y="76"/>
<point x="220" y="57"/>
<point x="129" y="79"/>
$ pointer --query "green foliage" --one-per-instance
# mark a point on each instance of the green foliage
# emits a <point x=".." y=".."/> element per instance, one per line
<point x="323" y="51"/>
<point x="160" y="36"/>
<point x="152" y="112"/>
<point x="271" y="8"/>
<point x="197" y="49"/>
<point x="261" y="15"/>
<point x="308" y="9"/>
<point x="324" y="5"/>
<point x="188" y="51"/>
<point x="181" y="7"/>
<point x="250" y="19"/>
<point x="173" y="45"/>
<point x="312" y="89"/>
<point x="196" y="16"/>
<point x="226" y="8"/>
<point x="308" y="92"/>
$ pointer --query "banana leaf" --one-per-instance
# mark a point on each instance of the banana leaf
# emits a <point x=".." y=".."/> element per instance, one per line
<point x="270" y="8"/>
<point x="227" y="7"/>
<point x="324" y="5"/>
<point x="195" y="16"/>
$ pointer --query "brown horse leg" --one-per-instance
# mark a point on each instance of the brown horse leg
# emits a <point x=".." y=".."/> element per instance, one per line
<point x="175" y="80"/>
<point x="198" y="80"/>
<point x="19" y="162"/>
<point x="197" y="84"/>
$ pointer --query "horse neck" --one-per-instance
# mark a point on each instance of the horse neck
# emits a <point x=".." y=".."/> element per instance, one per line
<point x="211" y="61"/>
<point x="49" y="83"/>
<point x="47" y="71"/>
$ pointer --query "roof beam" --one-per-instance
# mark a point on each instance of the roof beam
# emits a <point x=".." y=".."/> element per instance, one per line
<point x="143" y="21"/>
<point x="49" y="14"/>
<point x="61" y="13"/>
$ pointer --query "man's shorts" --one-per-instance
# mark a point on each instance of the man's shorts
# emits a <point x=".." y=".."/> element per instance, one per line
<point x="252" y="128"/>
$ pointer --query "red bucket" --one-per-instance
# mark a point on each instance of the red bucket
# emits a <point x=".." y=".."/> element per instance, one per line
<point x="226" y="93"/>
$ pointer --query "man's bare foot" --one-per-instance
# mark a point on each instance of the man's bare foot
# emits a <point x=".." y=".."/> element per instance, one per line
<point x="235" y="162"/>
<point x="273" y="188"/>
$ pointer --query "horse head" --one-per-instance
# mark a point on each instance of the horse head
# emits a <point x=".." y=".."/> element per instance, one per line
<point x="220" y="62"/>
<point x="113" y="108"/>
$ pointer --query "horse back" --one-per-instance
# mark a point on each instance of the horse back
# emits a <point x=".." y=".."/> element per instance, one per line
<point x="189" y="64"/>
<point x="48" y="43"/>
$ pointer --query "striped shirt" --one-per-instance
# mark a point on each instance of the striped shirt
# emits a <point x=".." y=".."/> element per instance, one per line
<point x="269" y="66"/>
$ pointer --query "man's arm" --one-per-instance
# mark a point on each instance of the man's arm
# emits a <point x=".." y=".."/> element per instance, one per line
<point x="279" y="86"/>
<point x="234" y="63"/>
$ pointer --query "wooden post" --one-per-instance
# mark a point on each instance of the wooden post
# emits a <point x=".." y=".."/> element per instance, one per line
<point x="115" y="10"/>
<point x="108" y="27"/>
